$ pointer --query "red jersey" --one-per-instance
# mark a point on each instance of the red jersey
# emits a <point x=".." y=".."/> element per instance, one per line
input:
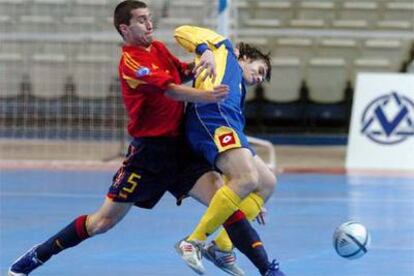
<point x="145" y="75"/>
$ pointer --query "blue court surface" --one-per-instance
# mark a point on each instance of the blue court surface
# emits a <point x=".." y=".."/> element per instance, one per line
<point x="303" y="215"/>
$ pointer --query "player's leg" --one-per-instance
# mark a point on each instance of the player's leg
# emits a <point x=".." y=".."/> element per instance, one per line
<point x="239" y="168"/>
<point x="107" y="216"/>
<point x="203" y="190"/>
<point x="206" y="186"/>
<point x="243" y="178"/>
<point x="80" y="229"/>
<point x="199" y="181"/>
<point x="229" y="151"/>
<point x="267" y="180"/>
<point x="253" y="203"/>
<point x="238" y="165"/>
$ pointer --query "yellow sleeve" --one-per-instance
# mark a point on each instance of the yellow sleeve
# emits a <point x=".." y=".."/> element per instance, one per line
<point x="191" y="37"/>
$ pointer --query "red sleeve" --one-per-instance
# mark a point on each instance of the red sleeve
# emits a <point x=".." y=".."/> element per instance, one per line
<point x="137" y="73"/>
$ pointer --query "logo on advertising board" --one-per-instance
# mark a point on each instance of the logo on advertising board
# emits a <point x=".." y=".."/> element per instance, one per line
<point x="389" y="119"/>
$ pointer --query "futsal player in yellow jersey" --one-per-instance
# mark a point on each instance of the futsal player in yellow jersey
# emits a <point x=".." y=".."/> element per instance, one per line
<point x="215" y="131"/>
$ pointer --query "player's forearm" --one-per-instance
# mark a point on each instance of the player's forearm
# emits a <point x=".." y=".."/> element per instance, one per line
<point x="185" y="93"/>
<point x="189" y="94"/>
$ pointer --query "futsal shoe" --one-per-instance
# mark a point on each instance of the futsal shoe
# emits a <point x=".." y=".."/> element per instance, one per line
<point x="224" y="260"/>
<point x="25" y="264"/>
<point x="274" y="270"/>
<point x="190" y="252"/>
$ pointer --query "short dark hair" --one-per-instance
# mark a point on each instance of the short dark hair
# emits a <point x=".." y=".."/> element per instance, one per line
<point x="252" y="52"/>
<point x="122" y="13"/>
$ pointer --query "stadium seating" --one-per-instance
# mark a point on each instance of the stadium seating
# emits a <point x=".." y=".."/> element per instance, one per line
<point x="350" y="24"/>
<point x="170" y="23"/>
<point x="280" y="103"/>
<point x="372" y="65"/>
<point x="102" y="45"/>
<point x="324" y="10"/>
<point x="48" y="78"/>
<point x="395" y="25"/>
<point x="261" y="23"/>
<point x="399" y="11"/>
<point x="11" y="77"/>
<point x="328" y="103"/>
<point x="78" y="24"/>
<point x="302" y="48"/>
<point x="326" y="79"/>
<point x="193" y="9"/>
<point x="387" y="49"/>
<point x="345" y="48"/>
<point x="307" y="23"/>
<point x="37" y="23"/>
<point x="282" y="10"/>
<point x="77" y="50"/>
<point x="98" y="68"/>
<point x="97" y="8"/>
<point x="359" y="10"/>
<point x="12" y="7"/>
<point x="6" y="23"/>
<point x="57" y="8"/>
<point x="287" y="75"/>
<point x="48" y="75"/>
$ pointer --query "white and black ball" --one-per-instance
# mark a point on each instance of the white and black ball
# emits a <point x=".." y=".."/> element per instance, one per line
<point x="351" y="240"/>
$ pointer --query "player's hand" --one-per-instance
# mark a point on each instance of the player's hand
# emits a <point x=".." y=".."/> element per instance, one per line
<point x="261" y="216"/>
<point x="218" y="94"/>
<point x="206" y="65"/>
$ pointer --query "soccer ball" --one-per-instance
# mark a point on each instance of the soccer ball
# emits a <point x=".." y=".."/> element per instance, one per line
<point x="351" y="240"/>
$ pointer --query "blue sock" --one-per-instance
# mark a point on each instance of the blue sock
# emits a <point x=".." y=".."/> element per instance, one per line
<point x="246" y="239"/>
<point x="70" y="236"/>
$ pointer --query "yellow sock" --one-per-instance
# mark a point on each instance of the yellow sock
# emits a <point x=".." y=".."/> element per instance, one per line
<point x="223" y="204"/>
<point x="251" y="207"/>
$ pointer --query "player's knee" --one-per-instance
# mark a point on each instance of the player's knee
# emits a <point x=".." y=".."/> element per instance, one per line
<point x="268" y="185"/>
<point x="248" y="181"/>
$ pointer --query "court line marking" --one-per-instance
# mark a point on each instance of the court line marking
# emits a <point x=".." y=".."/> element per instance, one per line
<point x="285" y="199"/>
<point x="96" y="165"/>
<point x="56" y="195"/>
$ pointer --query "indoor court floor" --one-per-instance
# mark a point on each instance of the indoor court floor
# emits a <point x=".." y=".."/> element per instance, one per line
<point x="302" y="216"/>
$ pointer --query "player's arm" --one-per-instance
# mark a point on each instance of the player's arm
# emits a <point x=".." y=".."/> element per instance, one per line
<point x="200" y="41"/>
<point x="137" y="74"/>
<point x="189" y="94"/>
<point x="196" y="39"/>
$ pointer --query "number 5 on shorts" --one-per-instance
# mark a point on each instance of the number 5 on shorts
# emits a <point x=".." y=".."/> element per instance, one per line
<point x="132" y="180"/>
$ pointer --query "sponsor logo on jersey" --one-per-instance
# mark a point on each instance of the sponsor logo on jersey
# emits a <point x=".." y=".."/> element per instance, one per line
<point x="226" y="138"/>
<point x="143" y="71"/>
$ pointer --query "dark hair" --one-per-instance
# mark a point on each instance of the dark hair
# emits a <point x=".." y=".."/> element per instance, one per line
<point x="254" y="53"/>
<point x="122" y="13"/>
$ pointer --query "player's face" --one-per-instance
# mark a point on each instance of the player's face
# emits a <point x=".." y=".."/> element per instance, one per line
<point x="140" y="29"/>
<point x="254" y="71"/>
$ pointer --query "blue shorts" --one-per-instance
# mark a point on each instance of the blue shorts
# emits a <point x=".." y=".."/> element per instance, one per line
<point x="154" y="166"/>
<point x="212" y="129"/>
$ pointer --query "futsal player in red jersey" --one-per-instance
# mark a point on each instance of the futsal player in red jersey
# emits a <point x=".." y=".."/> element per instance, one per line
<point x="158" y="160"/>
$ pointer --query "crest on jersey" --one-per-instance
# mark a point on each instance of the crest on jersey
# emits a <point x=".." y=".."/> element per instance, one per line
<point x="143" y="71"/>
<point x="226" y="138"/>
